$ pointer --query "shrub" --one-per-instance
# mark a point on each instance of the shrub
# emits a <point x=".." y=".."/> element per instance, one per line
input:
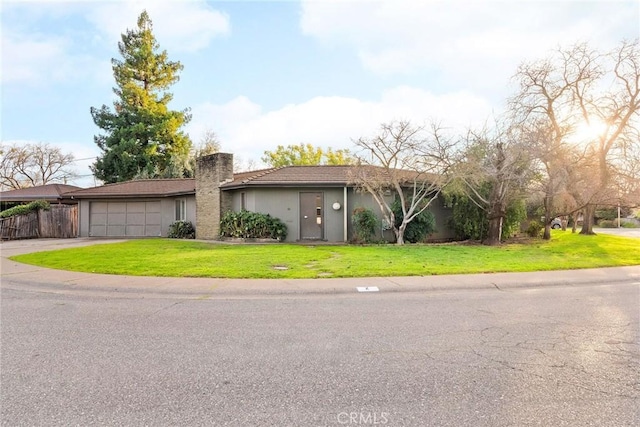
<point x="182" y="230"/>
<point x="364" y="223"/>
<point x="252" y="225"/>
<point x="534" y="229"/>
<point x="629" y="224"/>
<point x="607" y="223"/>
<point x="419" y="228"/>
<point x="516" y="213"/>
<point x="469" y="221"/>
<point x="611" y="212"/>
<point x="25" y="209"/>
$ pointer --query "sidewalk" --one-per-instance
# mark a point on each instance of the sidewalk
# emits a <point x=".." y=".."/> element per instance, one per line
<point x="58" y="281"/>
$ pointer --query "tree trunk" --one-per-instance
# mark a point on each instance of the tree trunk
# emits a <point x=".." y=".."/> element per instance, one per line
<point x="548" y="217"/>
<point x="400" y="233"/>
<point x="588" y="219"/>
<point x="494" y="233"/>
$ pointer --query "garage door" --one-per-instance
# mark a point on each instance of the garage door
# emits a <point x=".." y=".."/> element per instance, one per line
<point x="124" y="219"/>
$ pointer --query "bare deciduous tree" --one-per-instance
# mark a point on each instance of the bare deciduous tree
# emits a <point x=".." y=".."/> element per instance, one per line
<point x="30" y="165"/>
<point x="402" y="160"/>
<point x="557" y="171"/>
<point x="243" y="164"/>
<point x="580" y="88"/>
<point x="627" y="169"/>
<point x="208" y="144"/>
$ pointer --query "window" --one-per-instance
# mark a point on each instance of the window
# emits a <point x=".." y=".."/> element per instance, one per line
<point x="243" y="201"/>
<point x="181" y="210"/>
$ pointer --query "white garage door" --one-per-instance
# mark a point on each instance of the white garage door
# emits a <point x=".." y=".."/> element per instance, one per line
<point x="124" y="219"/>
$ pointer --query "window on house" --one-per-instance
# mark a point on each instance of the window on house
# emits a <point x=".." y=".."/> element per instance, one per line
<point x="181" y="210"/>
<point x="243" y="201"/>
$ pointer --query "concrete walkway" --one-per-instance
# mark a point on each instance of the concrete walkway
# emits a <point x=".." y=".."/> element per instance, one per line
<point x="40" y="279"/>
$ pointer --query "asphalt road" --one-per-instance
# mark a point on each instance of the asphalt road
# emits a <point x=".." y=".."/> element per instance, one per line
<point x="548" y="356"/>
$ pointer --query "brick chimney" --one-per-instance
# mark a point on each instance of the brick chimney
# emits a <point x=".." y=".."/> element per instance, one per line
<point x="211" y="203"/>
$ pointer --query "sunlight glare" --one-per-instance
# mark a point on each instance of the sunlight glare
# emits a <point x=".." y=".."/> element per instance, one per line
<point x="589" y="132"/>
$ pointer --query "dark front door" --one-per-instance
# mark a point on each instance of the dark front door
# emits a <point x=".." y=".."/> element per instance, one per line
<point x="311" y="216"/>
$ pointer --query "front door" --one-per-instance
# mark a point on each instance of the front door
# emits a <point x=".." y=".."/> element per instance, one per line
<point x="311" y="216"/>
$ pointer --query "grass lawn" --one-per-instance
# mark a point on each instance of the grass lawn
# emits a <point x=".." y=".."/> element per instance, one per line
<point x="185" y="258"/>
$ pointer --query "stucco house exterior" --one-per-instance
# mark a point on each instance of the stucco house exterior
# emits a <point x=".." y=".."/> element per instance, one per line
<point x="315" y="202"/>
<point x="144" y="208"/>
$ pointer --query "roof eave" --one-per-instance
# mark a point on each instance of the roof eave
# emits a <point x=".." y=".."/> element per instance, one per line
<point x="240" y="185"/>
<point x="131" y="196"/>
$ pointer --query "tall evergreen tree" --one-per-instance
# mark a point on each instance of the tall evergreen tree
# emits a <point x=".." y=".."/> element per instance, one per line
<point x="141" y="136"/>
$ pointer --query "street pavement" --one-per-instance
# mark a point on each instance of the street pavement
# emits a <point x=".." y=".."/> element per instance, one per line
<point x="549" y="348"/>
<point x="626" y="232"/>
<point x="539" y="356"/>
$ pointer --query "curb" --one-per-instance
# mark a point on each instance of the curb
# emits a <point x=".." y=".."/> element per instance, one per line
<point x="202" y="288"/>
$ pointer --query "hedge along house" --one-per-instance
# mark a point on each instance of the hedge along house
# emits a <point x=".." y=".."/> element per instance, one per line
<point x="315" y="202"/>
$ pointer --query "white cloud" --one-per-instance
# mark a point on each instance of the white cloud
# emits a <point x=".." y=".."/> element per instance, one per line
<point x="27" y="59"/>
<point x="179" y="26"/>
<point x="247" y="131"/>
<point x="40" y="59"/>
<point x="38" y="45"/>
<point x="466" y="41"/>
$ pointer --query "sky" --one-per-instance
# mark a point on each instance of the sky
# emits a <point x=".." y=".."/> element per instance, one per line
<point x="266" y="73"/>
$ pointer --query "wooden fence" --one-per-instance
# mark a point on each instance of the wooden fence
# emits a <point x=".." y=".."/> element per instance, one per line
<point x="61" y="221"/>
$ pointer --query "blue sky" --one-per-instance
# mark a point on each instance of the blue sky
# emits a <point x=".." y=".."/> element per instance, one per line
<point x="265" y="73"/>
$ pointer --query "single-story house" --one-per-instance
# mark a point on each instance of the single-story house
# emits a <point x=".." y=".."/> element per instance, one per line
<point x="315" y="202"/>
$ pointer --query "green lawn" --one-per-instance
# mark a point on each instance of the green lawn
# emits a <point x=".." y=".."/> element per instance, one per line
<point x="185" y="258"/>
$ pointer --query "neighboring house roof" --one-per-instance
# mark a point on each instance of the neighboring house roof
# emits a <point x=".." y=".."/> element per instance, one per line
<point x="139" y="188"/>
<point x="48" y="192"/>
<point x="325" y="175"/>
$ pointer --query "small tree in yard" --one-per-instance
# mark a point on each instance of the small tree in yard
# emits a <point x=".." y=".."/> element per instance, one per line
<point x="402" y="160"/>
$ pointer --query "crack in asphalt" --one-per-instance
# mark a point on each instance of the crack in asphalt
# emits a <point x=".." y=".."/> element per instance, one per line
<point x="167" y="307"/>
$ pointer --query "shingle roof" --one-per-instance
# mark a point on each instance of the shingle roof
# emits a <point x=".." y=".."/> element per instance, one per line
<point x="139" y="188"/>
<point x="49" y="192"/>
<point x="326" y="175"/>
